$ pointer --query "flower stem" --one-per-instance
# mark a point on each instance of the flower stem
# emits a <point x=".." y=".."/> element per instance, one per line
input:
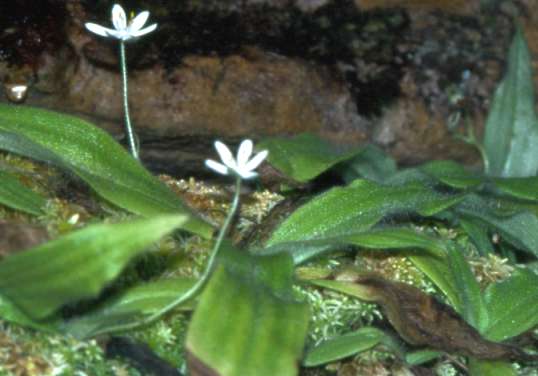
<point x="197" y="287"/>
<point x="128" y="127"/>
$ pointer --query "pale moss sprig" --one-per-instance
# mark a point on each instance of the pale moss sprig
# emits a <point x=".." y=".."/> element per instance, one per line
<point x="241" y="167"/>
<point x="124" y="32"/>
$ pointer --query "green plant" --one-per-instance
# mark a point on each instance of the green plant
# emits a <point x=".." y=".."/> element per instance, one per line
<point x="247" y="314"/>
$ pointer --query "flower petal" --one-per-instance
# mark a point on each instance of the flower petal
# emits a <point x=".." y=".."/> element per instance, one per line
<point x="121" y="34"/>
<point x="244" y="152"/>
<point x="139" y="33"/>
<point x="247" y="174"/>
<point x="119" y="18"/>
<point x="225" y="155"/>
<point x="216" y="166"/>
<point x="257" y="160"/>
<point x="98" y="29"/>
<point x="137" y="22"/>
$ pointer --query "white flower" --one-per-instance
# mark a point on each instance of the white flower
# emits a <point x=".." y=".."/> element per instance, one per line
<point x="122" y="30"/>
<point x="241" y="166"/>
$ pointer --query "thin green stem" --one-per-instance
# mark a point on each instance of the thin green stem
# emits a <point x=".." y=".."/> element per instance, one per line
<point x="128" y="127"/>
<point x="470" y="138"/>
<point x="200" y="283"/>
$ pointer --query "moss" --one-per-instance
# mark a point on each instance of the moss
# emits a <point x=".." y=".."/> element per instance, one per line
<point x="166" y="338"/>
<point x="27" y="352"/>
<point x="334" y="314"/>
<point x="69" y="207"/>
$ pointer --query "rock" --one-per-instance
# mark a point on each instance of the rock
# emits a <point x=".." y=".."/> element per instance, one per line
<point x="401" y="77"/>
<point x="462" y="7"/>
<point x="255" y="94"/>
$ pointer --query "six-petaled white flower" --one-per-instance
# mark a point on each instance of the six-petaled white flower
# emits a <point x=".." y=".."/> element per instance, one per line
<point x="122" y="30"/>
<point x="241" y="166"/>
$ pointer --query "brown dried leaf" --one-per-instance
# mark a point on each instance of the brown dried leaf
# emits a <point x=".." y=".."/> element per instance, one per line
<point x="422" y="320"/>
<point x="198" y="368"/>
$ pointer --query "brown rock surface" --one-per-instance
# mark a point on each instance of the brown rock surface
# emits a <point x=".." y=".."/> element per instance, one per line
<point x="397" y="77"/>
<point x="252" y="95"/>
<point x="449" y="6"/>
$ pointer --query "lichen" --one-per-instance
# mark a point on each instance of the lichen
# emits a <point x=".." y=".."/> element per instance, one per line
<point x="334" y="314"/>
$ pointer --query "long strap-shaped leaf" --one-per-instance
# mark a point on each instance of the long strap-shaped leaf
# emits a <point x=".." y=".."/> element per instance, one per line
<point x="94" y="156"/>
<point x="17" y="196"/>
<point x="78" y="265"/>
<point x="511" y="138"/>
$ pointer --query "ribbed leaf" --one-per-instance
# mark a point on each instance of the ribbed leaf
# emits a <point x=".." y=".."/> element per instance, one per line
<point x="451" y="174"/>
<point x="478" y="233"/>
<point x="438" y="271"/>
<point x="380" y="238"/>
<point x="246" y="322"/>
<point x="94" y="156"/>
<point x="421" y="356"/>
<point x="15" y="195"/>
<point x="369" y="163"/>
<point x="343" y="346"/>
<point x="512" y="306"/>
<point x="303" y="157"/>
<point x="10" y="312"/>
<point x="132" y="305"/>
<point x="524" y="188"/>
<point x="78" y="265"/>
<point x="358" y="207"/>
<point x="490" y="368"/>
<point x="511" y="137"/>
<point x="472" y="307"/>
<point x="518" y="227"/>
<point x="433" y="262"/>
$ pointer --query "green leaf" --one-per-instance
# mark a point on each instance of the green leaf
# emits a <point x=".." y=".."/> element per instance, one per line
<point x="490" y="368"/>
<point x="304" y="250"/>
<point x="346" y="287"/>
<point x="511" y="305"/>
<point x="438" y="271"/>
<point x="370" y="163"/>
<point x="433" y="263"/>
<point x="524" y="188"/>
<point x="452" y="174"/>
<point x="303" y="157"/>
<point x="416" y="358"/>
<point x="379" y="238"/>
<point x="511" y="135"/>
<point x="396" y="238"/>
<point x="247" y="322"/>
<point x="78" y="265"/>
<point x="95" y="157"/>
<point x="472" y="306"/>
<point x="10" y="312"/>
<point x="343" y="346"/>
<point x="132" y="305"/>
<point x="15" y="195"/>
<point x="518" y="227"/>
<point x="478" y="232"/>
<point x="358" y="207"/>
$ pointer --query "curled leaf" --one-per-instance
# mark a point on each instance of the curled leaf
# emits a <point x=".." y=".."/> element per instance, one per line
<point x="422" y="320"/>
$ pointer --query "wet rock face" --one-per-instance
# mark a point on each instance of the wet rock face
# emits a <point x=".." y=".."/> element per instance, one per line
<point x="234" y="69"/>
<point x="253" y="93"/>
